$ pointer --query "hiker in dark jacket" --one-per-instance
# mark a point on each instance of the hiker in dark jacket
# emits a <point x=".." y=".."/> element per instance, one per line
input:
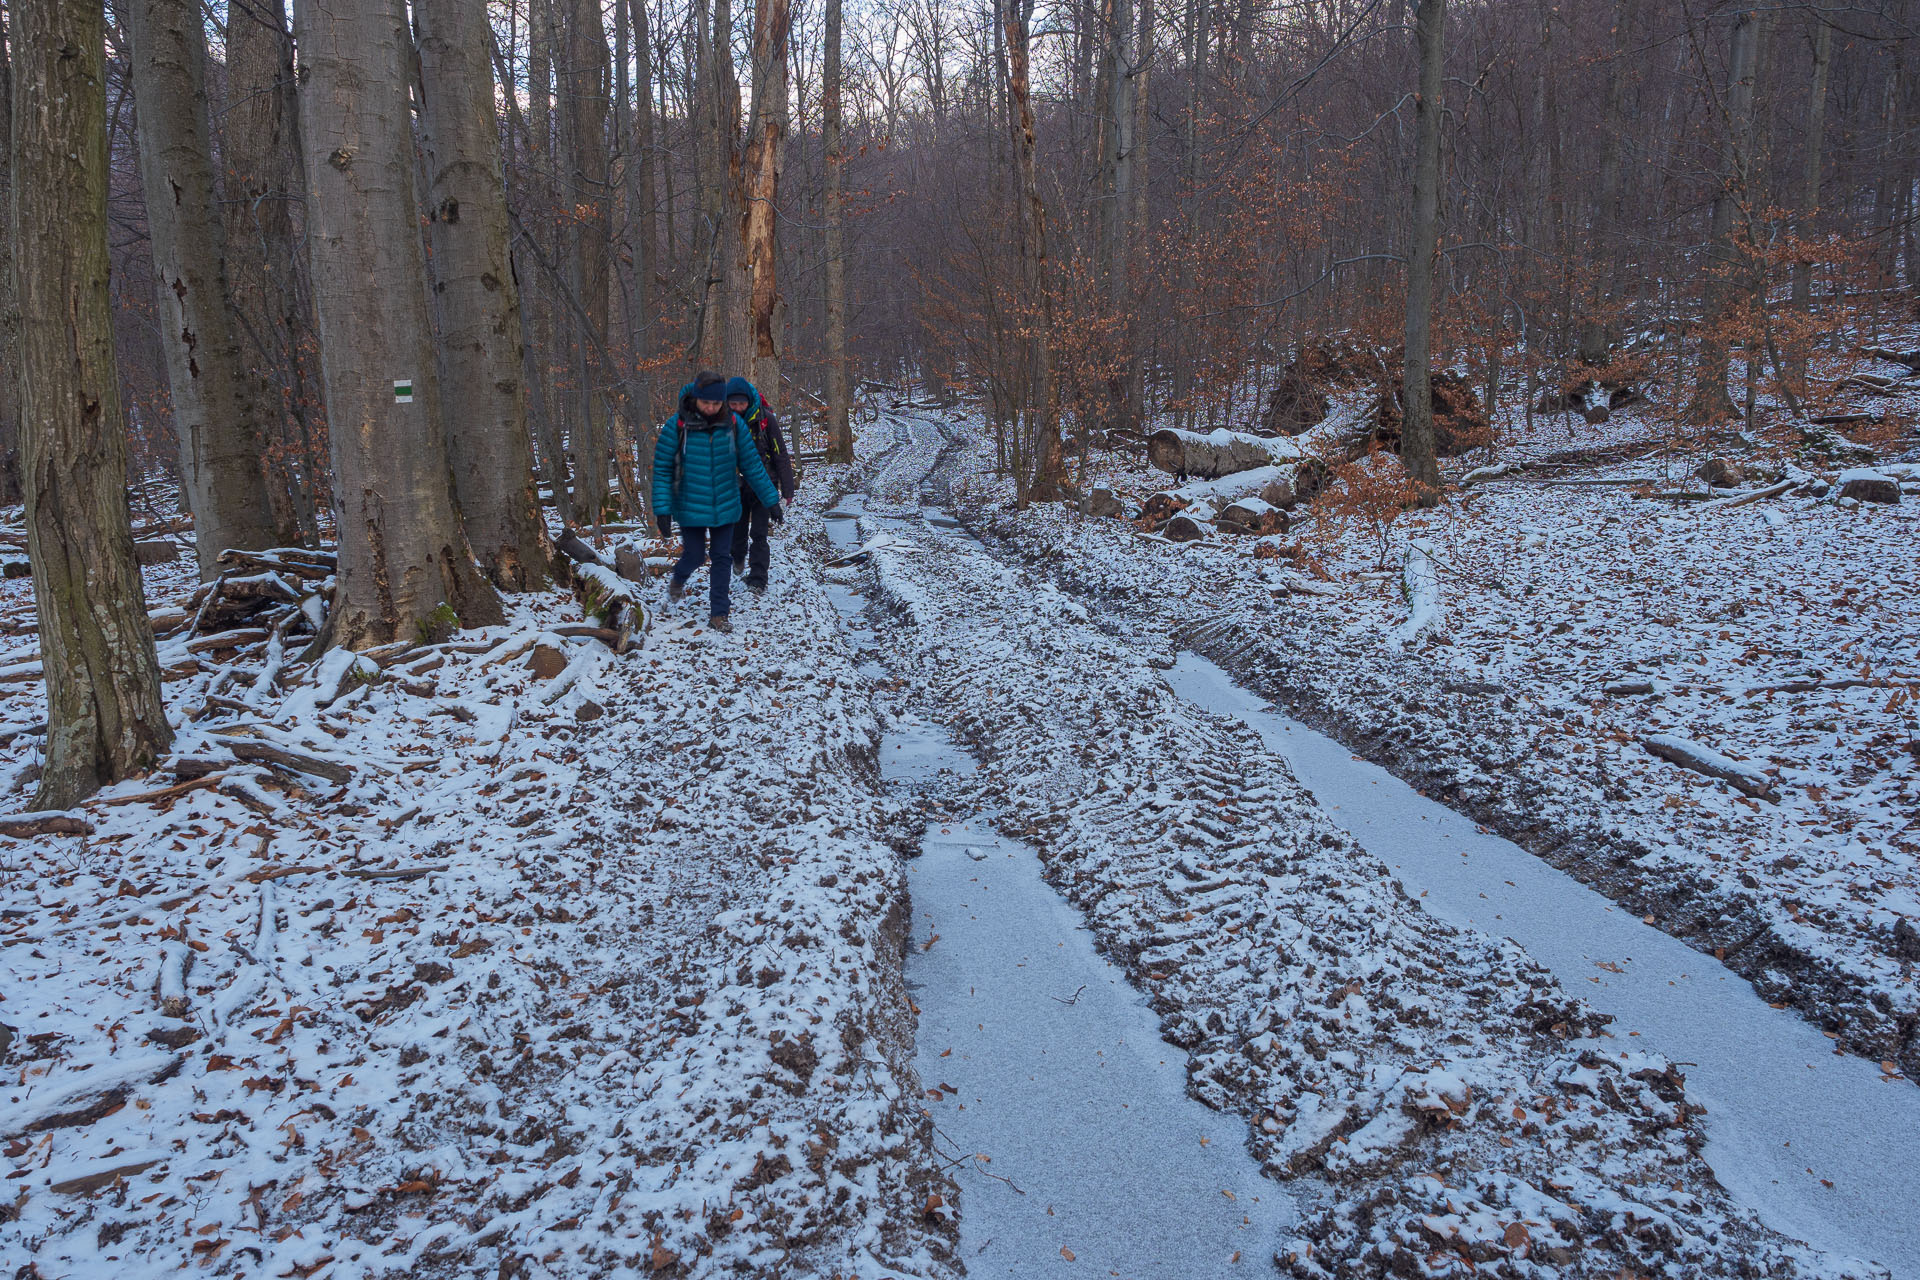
<point x="770" y="439"/>
<point x="704" y="459"/>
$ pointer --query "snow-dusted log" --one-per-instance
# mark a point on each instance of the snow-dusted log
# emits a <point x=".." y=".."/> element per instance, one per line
<point x="1218" y="453"/>
<point x="21" y="826"/>
<point x="1703" y="759"/>
<point x="1251" y="516"/>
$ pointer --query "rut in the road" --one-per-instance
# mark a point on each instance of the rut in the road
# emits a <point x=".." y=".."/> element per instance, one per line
<point x="1443" y="1083"/>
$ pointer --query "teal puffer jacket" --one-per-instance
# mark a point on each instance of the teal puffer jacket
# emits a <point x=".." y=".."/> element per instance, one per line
<point x="697" y="467"/>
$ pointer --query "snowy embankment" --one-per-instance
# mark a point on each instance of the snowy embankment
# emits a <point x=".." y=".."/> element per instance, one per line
<point x="579" y="964"/>
<point x="1706" y="711"/>
<point x="1437" y="1101"/>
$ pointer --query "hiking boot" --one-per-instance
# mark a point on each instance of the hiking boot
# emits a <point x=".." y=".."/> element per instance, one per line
<point x="719" y="623"/>
<point x="675" y="588"/>
<point x="757" y="581"/>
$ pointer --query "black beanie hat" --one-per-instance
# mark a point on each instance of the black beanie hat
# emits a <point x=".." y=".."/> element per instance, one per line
<point x="708" y="385"/>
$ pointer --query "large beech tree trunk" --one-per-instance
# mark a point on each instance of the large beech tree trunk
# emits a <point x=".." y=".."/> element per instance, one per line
<point x="839" y="399"/>
<point x="546" y="412"/>
<point x="221" y="410"/>
<point x="586" y="90"/>
<point x="402" y="551"/>
<point x="772" y="24"/>
<point x="478" y="299"/>
<point x="9" y="312"/>
<point x="104" y="715"/>
<point x="1416" y="430"/>
<point x="265" y="259"/>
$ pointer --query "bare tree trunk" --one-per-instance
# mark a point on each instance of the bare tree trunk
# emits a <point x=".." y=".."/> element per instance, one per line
<point x="9" y="311"/>
<point x="646" y="229"/>
<point x="587" y="90"/>
<point x="220" y="408"/>
<point x="546" y="417"/>
<point x="839" y="401"/>
<point x="1043" y="406"/>
<point x="402" y="552"/>
<point x="478" y="299"/>
<point x="772" y="24"/>
<point x="1136" y="406"/>
<point x="1810" y="189"/>
<point x="265" y="260"/>
<point x="104" y="715"/>
<point x="1710" y="399"/>
<point x="1595" y="331"/>
<point x="1416" y="430"/>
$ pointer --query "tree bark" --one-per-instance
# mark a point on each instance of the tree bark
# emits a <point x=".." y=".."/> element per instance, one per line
<point x="839" y="401"/>
<point x="587" y="89"/>
<point x="553" y="450"/>
<point x="402" y="551"/>
<point x="221" y="411"/>
<point x="1043" y="407"/>
<point x="9" y="311"/>
<point x="1595" y="331"/>
<point x="104" y="714"/>
<point x="646" y="228"/>
<point x="1710" y="399"/>
<point x="772" y="25"/>
<point x="479" y="301"/>
<point x="1810" y="190"/>
<point x="1416" y="431"/>
<point x="259" y="141"/>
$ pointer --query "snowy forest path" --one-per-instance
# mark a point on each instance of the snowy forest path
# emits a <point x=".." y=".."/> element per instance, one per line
<point x="1833" y="1124"/>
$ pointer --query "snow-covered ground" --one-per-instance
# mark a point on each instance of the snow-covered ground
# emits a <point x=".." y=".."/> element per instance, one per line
<point x="1574" y="622"/>
<point x="577" y="974"/>
<point x="1436" y="1102"/>
<point x="542" y="961"/>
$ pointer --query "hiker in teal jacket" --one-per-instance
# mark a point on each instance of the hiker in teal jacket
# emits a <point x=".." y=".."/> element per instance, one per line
<point x="702" y="454"/>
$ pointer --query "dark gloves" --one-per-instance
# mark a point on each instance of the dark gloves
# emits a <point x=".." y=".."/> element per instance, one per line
<point x="665" y="524"/>
<point x="775" y="514"/>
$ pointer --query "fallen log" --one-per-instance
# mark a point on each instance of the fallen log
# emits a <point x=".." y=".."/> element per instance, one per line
<point x="1187" y="526"/>
<point x="1750" y="495"/>
<point x="164" y="793"/>
<point x="227" y="640"/>
<point x="22" y="825"/>
<point x="1216" y="454"/>
<point x="300" y="562"/>
<point x="1703" y="759"/>
<point x="313" y="766"/>
<point x="1253" y="516"/>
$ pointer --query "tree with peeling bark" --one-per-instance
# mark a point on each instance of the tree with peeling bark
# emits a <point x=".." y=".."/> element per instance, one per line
<point x="404" y="560"/>
<point x="105" y="720"/>
<point x="222" y="412"/>
<point x="1416" y="431"/>
<point x="766" y="153"/>
<point x="477" y="297"/>
<point x="839" y="398"/>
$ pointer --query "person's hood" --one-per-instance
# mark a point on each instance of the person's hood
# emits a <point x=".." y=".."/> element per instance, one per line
<point x="741" y="387"/>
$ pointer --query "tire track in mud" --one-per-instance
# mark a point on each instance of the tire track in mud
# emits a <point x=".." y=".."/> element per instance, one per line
<point x="1438" y="1103"/>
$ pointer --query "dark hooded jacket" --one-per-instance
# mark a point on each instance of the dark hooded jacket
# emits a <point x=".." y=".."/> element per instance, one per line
<point x="701" y="465"/>
<point x="769" y="435"/>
